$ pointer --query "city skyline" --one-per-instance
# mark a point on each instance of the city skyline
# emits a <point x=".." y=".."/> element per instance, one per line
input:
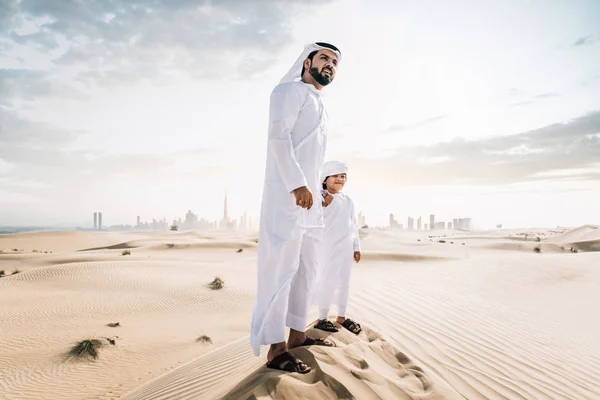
<point x="468" y="108"/>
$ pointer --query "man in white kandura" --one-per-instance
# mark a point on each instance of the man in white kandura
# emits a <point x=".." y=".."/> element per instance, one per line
<point x="341" y="247"/>
<point x="291" y="222"/>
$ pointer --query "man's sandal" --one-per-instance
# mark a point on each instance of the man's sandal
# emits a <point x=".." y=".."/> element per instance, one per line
<point x="316" y="342"/>
<point x="326" y="326"/>
<point x="287" y="362"/>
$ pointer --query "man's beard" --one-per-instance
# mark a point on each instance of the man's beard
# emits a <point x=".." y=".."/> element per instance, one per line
<point x="321" y="79"/>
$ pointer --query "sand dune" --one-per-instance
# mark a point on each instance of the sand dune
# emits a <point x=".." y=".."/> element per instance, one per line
<point x="583" y="238"/>
<point x="360" y="367"/>
<point x="484" y="320"/>
<point x="61" y="241"/>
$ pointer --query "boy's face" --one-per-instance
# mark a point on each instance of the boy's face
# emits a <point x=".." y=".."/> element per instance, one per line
<point x="335" y="183"/>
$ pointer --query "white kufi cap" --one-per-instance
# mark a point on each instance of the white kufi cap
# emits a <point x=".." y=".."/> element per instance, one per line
<point x="333" y="168"/>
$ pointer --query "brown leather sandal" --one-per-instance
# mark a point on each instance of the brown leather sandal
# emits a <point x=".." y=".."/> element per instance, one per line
<point x="316" y="342"/>
<point x="352" y="326"/>
<point x="326" y="326"/>
<point x="287" y="362"/>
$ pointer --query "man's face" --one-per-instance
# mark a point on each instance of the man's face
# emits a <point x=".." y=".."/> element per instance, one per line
<point x="323" y="67"/>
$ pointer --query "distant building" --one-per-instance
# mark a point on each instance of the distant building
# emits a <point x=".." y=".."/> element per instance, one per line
<point x="100" y="221"/>
<point x="95" y="220"/>
<point x="361" y="220"/>
<point x="393" y="222"/>
<point x="139" y="220"/>
<point x="419" y="224"/>
<point x="431" y="221"/>
<point x="410" y="224"/>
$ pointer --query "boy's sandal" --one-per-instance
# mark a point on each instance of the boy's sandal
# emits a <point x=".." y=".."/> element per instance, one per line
<point x="326" y="325"/>
<point x="287" y="362"/>
<point x="352" y="326"/>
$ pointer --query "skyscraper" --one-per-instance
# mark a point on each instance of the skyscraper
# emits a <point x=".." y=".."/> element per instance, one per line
<point x="431" y="221"/>
<point x="419" y="224"/>
<point x="225" y="216"/>
<point x="100" y="221"/>
<point x="95" y="220"/>
<point x="139" y="220"/>
<point x="225" y="223"/>
<point x="410" y="225"/>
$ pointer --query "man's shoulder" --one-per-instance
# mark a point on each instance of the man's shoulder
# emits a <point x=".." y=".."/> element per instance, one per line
<point x="298" y="87"/>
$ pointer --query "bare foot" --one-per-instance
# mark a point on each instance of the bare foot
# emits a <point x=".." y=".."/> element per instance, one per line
<point x="340" y="320"/>
<point x="275" y="350"/>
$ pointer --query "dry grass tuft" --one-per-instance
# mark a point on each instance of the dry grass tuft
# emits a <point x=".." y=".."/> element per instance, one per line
<point x="86" y="349"/>
<point x="217" y="284"/>
<point x="204" y="339"/>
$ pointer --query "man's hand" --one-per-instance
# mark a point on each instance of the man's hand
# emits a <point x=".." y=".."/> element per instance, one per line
<point x="327" y="198"/>
<point x="357" y="256"/>
<point x="304" y="197"/>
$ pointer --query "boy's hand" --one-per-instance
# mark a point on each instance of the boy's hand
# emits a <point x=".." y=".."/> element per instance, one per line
<point x="357" y="256"/>
<point x="328" y="198"/>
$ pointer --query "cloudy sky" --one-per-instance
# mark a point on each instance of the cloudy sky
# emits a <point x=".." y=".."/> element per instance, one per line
<point x="487" y="109"/>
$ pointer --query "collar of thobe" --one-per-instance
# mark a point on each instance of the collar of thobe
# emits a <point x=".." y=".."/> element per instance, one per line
<point x="313" y="89"/>
<point x="294" y="73"/>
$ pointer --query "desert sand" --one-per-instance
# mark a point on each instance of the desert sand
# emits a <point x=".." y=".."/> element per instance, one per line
<point x="506" y="314"/>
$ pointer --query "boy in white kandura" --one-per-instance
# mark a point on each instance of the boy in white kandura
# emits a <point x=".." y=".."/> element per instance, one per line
<point x="341" y="246"/>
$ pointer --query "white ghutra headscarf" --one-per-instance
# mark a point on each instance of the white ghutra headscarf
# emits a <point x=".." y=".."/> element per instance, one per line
<point x="294" y="72"/>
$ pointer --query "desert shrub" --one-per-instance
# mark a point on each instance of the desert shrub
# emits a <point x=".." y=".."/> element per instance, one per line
<point x="86" y="349"/>
<point x="217" y="283"/>
<point x="204" y="339"/>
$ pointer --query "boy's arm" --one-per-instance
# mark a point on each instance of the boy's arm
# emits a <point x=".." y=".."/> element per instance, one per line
<point x="284" y="108"/>
<point x="356" y="243"/>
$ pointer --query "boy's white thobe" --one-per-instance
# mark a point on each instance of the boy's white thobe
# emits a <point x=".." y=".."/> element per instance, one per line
<point x="340" y="241"/>
<point x="289" y="236"/>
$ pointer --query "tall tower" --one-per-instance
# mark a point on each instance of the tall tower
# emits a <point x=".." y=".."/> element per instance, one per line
<point x="225" y="216"/>
<point x="99" y="221"/>
<point x="431" y="222"/>
<point x="139" y="220"/>
<point x="95" y="220"/>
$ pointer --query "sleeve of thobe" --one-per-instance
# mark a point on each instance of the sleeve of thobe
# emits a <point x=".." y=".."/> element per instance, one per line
<point x="285" y="106"/>
<point x="356" y="243"/>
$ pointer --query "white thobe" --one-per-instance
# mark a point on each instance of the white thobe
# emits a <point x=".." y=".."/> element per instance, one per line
<point x="289" y="236"/>
<point x="341" y="240"/>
